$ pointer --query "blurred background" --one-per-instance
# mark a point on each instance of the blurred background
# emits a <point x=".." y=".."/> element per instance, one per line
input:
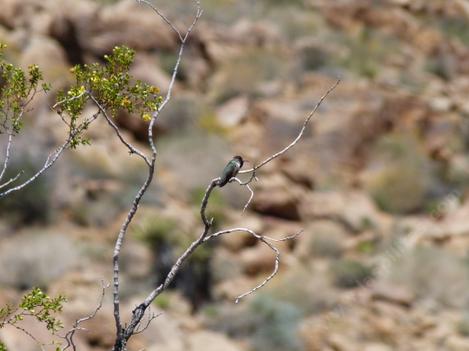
<point x="379" y="182"/>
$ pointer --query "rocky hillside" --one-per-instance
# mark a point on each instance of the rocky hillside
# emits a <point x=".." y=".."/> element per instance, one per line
<point x="378" y="184"/>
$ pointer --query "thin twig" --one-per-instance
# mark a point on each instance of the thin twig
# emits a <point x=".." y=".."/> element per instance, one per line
<point x="300" y="134"/>
<point x="160" y="108"/>
<point x="151" y="317"/>
<point x="68" y="99"/>
<point x="40" y="344"/>
<point x="123" y="334"/>
<point x="163" y="17"/>
<point x="246" y="184"/>
<point x="11" y="180"/>
<point x="76" y="326"/>
<point x="289" y="237"/>
<point x="132" y="148"/>
<point x="7" y="154"/>
<point x="264" y="240"/>
<point x="52" y="158"/>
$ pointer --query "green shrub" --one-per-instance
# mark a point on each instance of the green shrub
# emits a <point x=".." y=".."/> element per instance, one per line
<point x="269" y="323"/>
<point x="308" y="290"/>
<point x="156" y="230"/>
<point x="313" y="58"/>
<point x="434" y="275"/>
<point x="244" y="73"/>
<point x="209" y="123"/>
<point x="366" y="247"/>
<point x="350" y="274"/>
<point x="366" y="52"/>
<point x="325" y="245"/>
<point x="276" y="330"/>
<point x="462" y="326"/>
<point x="455" y="27"/>
<point x="163" y="301"/>
<point x="401" y="175"/>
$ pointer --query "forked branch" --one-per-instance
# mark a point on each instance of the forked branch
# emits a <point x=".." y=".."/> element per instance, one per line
<point x="300" y="133"/>
<point x="124" y="331"/>
<point x="76" y="326"/>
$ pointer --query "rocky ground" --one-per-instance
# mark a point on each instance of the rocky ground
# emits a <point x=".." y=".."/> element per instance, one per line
<point x="378" y="184"/>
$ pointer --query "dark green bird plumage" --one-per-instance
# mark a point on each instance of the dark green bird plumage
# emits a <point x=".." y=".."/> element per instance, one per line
<point x="231" y="170"/>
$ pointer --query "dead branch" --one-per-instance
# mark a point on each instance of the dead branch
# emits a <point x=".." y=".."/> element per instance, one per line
<point x="123" y="334"/>
<point x="52" y="158"/>
<point x="300" y="134"/>
<point x="76" y="326"/>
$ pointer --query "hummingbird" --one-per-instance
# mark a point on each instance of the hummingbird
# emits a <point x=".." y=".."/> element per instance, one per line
<point x="231" y="170"/>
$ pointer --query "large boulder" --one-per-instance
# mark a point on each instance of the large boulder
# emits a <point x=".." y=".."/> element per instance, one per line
<point x="116" y="25"/>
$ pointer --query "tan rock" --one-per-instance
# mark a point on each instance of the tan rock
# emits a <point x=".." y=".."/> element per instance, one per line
<point x="115" y="25"/>
<point x="321" y="238"/>
<point x="257" y="259"/>
<point x="164" y="333"/>
<point x="377" y="347"/>
<point x="210" y="341"/>
<point x="239" y="240"/>
<point x="232" y="112"/>
<point x="394" y="294"/>
<point x="353" y="209"/>
<point x="457" y="343"/>
<point x="49" y="56"/>
<point x="145" y="68"/>
<point x="277" y="198"/>
<point x="340" y="342"/>
<point x="232" y="288"/>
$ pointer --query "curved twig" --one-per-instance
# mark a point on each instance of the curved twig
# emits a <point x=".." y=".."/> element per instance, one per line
<point x="300" y="134"/>
<point x="246" y="184"/>
<point x="132" y="148"/>
<point x="53" y="157"/>
<point x="76" y="326"/>
<point x="264" y="240"/>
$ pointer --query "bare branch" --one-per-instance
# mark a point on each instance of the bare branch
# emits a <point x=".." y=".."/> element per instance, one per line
<point x="52" y="158"/>
<point x="151" y="317"/>
<point x="163" y="17"/>
<point x="300" y="134"/>
<point x="7" y="154"/>
<point x="156" y="113"/>
<point x="203" y="206"/>
<point x="122" y="335"/>
<point x="265" y="241"/>
<point x="289" y="237"/>
<point x="40" y="344"/>
<point x="76" y="326"/>
<point x="11" y="180"/>
<point x="132" y="148"/>
<point x="246" y="184"/>
<point x="139" y="311"/>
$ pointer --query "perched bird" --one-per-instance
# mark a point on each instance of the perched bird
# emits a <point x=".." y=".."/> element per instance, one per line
<point x="231" y="170"/>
